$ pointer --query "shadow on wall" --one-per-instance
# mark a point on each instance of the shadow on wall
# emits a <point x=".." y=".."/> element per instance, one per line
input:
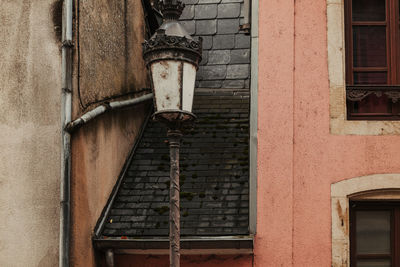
<point x="56" y="15"/>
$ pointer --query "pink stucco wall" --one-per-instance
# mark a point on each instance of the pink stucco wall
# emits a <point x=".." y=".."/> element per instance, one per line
<point x="298" y="158"/>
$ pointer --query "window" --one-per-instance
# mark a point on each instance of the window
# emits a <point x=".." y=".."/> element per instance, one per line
<point x="375" y="234"/>
<point x="372" y="59"/>
<point x="376" y="188"/>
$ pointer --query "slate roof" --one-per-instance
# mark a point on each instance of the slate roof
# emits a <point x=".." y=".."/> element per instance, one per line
<point x="226" y="50"/>
<point x="214" y="175"/>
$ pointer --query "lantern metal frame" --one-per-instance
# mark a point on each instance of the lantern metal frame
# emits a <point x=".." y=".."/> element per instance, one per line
<point x="172" y="42"/>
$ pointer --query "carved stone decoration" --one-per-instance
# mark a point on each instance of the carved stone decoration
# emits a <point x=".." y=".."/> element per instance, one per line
<point x="355" y="93"/>
<point x="393" y="95"/>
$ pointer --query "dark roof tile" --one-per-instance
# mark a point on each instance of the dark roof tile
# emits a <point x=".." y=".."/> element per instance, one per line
<point x="214" y="175"/>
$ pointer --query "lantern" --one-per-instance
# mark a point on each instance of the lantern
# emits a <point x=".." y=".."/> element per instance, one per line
<point x="172" y="57"/>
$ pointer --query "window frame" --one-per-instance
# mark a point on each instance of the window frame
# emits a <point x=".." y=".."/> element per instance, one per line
<point x="376" y="187"/>
<point x="335" y="45"/>
<point x="394" y="208"/>
<point x="392" y="68"/>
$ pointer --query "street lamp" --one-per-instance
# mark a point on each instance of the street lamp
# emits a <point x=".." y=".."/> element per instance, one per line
<point x="172" y="57"/>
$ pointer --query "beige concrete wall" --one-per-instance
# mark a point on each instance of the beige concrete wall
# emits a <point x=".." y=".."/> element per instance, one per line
<point x="30" y="75"/>
<point x="110" y="67"/>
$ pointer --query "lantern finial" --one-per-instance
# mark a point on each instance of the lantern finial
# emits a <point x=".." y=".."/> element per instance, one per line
<point x="171" y="10"/>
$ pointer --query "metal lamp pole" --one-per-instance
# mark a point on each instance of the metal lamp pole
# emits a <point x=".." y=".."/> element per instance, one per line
<point x="172" y="57"/>
<point x="174" y="138"/>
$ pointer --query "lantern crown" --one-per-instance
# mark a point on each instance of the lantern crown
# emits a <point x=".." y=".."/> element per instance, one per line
<point x="171" y="39"/>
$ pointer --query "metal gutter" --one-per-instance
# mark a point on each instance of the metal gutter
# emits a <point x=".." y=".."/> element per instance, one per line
<point x="66" y="109"/>
<point x="88" y="116"/>
<point x="253" y="118"/>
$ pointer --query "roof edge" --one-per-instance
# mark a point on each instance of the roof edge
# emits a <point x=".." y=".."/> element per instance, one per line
<point x="103" y="216"/>
<point x="236" y="243"/>
<point x="221" y="91"/>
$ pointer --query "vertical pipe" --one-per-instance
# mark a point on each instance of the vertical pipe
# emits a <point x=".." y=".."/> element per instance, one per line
<point x="174" y="138"/>
<point x="246" y="12"/>
<point x="253" y="117"/>
<point x="66" y="137"/>
<point x="246" y="25"/>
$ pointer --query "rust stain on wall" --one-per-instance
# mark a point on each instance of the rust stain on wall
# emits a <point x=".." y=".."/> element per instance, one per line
<point x="344" y="217"/>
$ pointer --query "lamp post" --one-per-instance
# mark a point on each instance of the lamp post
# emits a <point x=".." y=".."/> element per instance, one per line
<point x="172" y="57"/>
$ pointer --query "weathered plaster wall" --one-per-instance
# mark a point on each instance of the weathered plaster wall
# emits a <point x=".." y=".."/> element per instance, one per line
<point x="30" y="76"/>
<point x="298" y="157"/>
<point x="109" y="66"/>
<point x="109" y="50"/>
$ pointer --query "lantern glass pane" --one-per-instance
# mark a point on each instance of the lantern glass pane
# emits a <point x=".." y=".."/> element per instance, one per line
<point x="189" y="77"/>
<point x="166" y="78"/>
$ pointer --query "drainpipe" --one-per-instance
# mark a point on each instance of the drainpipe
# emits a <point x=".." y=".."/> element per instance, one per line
<point x="90" y="115"/>
<point x="66" y="64"/>
<point x="67" y="126"/>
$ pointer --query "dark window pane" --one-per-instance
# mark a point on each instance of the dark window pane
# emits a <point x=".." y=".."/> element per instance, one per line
<point x="370" y="78"/>
<point x="369" y="46"/>
<point x="373" y="232"/>
<point x="372" y="104"/>
<point x="369" y="10"/>
<point x="373" y="263"/>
